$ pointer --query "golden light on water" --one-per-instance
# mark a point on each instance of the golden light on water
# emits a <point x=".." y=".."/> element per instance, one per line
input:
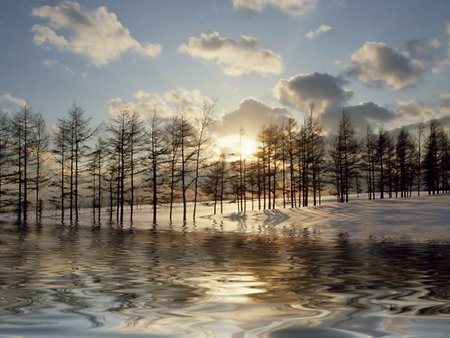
<point x="231" y="288"/>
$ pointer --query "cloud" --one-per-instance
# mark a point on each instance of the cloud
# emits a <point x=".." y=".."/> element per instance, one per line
<point x="411" y="110"/>
<point x="97" y="35"/>
<point x="291" y="7"/>
<point x="186" y="98"/>
<point x="444" y="100"/>
<point x="363" y="114"/>
<point x="9" y="98"/>
<point x="324" y="91"/>
<point x="431" y="52"/>
<point x="424" y="49"/>
<point x="322" y="30"/>
<point x="376" y="62"/>
<point x="235" y="58"/>
<point x="329" y="97"/>
<point x="146" y="103"/>
<point x="444" y="61"/>
<point x="252" y="116"/>
<point x="443" y="104"/>
<point x="143" y="103"/>
<point x="56" y="63"/>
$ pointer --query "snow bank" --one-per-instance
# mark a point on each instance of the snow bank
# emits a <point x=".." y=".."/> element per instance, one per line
<point x="425" y="218"/>
<point x="420" y="219"/>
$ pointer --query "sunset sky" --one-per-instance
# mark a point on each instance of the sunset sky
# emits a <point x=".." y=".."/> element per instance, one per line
<point x="388" y="61"/>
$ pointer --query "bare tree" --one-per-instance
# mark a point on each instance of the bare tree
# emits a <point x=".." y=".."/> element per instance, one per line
<point x="383" y="156"/>
<point x="202" y="125"/>
<point x="420" y="131"/>
<point x="125" y="143"/>
<point x="5" y="158"/>
<point x="135" y="148"/>
<point x="291" y="135"/>
<point x="182" y="155"/>
<point x="436" y="161"/>
<point x="173" y="160"/>
<point x="369" y="157"/>
<point x="405" y="157"/>
<point x="214" y="184"/>
<point x="345" y="155"/>
<point x="40" y="149"/>
<point x="96" y="165"/>
<point x="79" y="133"/>
<point x="158" y="149"/>
<point x="22" y="126"/>
<point x="60" y="140"/>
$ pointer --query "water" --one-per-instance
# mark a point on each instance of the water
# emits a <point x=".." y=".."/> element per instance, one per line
<point x="79" y="282"/>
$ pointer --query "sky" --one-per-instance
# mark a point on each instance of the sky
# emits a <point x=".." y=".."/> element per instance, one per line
<point x="387" y="62"/>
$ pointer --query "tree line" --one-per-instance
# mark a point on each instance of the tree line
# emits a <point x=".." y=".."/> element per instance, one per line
<point x="114" y="168"/>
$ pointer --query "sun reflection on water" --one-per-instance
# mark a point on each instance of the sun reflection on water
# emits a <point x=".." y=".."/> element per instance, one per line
<point x="198" y="285"/>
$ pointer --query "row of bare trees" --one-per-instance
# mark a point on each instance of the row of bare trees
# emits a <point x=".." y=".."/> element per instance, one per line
<point x="24" y="146"/>
<point x="116" y="167"/>
<point x="296" y="164"/>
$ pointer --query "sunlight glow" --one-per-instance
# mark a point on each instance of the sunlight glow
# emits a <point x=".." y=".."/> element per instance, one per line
<point x="234" y="146"/>
<point x="248" y="147"/>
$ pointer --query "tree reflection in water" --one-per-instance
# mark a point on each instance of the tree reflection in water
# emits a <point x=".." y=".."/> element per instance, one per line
<point x="107" y="282"/>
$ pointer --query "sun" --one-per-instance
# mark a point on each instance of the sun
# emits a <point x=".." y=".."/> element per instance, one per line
<point x="248" y="147"/>
<point x="236" y="146"/>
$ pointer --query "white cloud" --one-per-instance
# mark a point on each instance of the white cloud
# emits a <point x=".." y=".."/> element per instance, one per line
<point x="44" y="35"/>
<point x="186" y="98"/>
<point x="56" y="63"/>
<point x="9" y="98"/>
<point x="324" y="91"/>
<point x="377" y="62"/>
<point x="50" y="62"/>
<point x="235" y="58"/>
<point x="97" y="35"/>
<point x="323" y="29"/>
<point x="292" y="7"/>
<point x="144" y="104"/>
<point x="172" y="101"/>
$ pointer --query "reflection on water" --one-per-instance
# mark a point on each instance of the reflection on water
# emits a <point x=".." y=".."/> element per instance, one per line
<point x="62" y="281"/>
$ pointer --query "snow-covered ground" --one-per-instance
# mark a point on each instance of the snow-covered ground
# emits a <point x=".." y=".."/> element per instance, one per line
<point x="424" y="218"/>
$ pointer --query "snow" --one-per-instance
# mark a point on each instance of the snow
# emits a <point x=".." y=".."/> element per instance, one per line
<point x="421" y="219"/>
<point x="424" y="218"/>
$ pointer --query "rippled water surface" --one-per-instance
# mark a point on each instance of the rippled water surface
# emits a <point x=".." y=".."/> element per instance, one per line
<point x="79" y="282"/>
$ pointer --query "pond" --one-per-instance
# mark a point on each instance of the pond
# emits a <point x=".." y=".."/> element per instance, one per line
<point x="61" y="281"/>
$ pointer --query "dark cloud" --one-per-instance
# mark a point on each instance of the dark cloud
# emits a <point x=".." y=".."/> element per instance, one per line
<point x="323" y="90"/>
<point x="413" y="128"/>
<point x="444" y="100"/>
<point x="414" y="110"/>
<point x="361" y="115"/>
<point x="428" y="51"/>
<point x="252" y="116"/>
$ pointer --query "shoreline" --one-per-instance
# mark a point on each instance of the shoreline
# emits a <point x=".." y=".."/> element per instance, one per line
<point x="417" y="218"/>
